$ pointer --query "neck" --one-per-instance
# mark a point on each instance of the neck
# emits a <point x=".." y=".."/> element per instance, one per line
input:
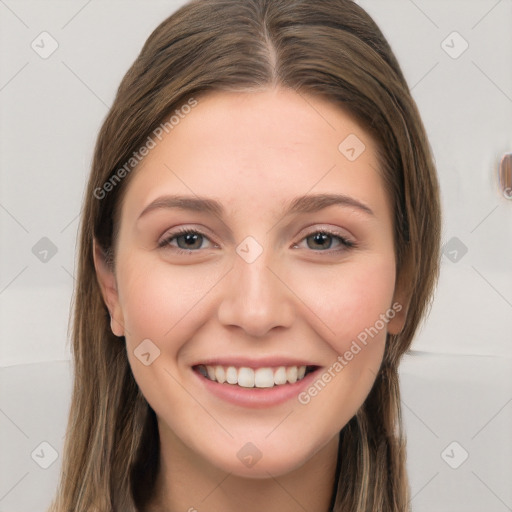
<point x="187" y="483"/>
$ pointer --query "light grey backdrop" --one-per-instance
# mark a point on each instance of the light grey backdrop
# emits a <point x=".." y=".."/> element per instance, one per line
<point x="60" y="64"/>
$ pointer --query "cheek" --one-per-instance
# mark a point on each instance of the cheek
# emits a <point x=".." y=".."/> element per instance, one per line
<point x="356" y="306"/>
<point x="159" y="300"/>
<point x="349" y="300"/>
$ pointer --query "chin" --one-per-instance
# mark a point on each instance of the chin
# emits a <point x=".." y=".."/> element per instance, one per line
<point x="266" y="467"/>
<point x="258" y="460"/>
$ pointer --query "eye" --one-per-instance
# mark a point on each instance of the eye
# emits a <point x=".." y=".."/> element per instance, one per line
<point x="324" y="241"/>
<point x="187" y="240"/>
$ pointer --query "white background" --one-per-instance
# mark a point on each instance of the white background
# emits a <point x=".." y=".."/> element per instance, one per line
<point x="457" y="382"/>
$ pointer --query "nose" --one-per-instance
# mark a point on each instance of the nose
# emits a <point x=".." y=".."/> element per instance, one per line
<point x="255" y="297"/>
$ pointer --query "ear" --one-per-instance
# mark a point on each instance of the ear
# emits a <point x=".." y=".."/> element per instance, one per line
<point x="108" y="286"/>
<point x="400" y="305"/>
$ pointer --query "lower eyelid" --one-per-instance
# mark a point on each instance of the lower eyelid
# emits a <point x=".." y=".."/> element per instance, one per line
<point x="166" y="242"/>
<point x="344" y="242"/>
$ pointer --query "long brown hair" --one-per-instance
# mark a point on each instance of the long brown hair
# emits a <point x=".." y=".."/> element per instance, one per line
<point x="329" y="48"/>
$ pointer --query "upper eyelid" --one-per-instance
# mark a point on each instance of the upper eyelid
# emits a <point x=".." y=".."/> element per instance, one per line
<point x="308" y="232"/>
<point x="174" y="233"/>
<point x="339" y="232"/>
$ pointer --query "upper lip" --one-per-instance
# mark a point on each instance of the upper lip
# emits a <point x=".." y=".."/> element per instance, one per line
<point x="265" y="362"/>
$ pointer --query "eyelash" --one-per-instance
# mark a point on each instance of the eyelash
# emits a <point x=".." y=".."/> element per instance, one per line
<point x="165" y="243"/>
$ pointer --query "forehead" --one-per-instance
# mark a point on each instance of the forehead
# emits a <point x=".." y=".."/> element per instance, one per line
<point x="259" y="149"/>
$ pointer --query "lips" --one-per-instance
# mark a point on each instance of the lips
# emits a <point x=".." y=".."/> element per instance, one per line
<point x="254" y="377"/>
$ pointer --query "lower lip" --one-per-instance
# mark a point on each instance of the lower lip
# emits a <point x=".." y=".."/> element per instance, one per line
<point x="257" y="397"/>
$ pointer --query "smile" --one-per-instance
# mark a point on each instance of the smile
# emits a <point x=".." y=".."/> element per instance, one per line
<point x="245" y="377"/>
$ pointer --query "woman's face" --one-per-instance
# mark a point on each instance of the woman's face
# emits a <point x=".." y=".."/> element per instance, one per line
<point x="284" y="292"/>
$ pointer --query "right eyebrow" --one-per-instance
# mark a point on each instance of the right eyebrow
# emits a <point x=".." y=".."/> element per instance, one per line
<point x="198" y="204"/>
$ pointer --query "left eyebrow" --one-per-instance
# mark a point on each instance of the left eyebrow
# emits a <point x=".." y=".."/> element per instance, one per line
<point x="302" y="204"/>
<point x="315" y="202"/>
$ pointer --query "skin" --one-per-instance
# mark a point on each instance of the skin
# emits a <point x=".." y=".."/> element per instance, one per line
<point x="253" y="152"/>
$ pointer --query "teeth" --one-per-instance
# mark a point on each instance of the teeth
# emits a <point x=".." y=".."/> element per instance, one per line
<point x="291" y="374"/>
<point x="211" y="372"/>
<point x="220" y="374"/>
<point x="231" y="375"/>
<point x="264" y="378"/>
<point x="245" y="378"/>
<point x="280" y="376"/>
<point x="249" y="378"/>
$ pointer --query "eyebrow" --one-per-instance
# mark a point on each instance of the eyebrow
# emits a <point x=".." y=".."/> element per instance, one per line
<point x="304" y="204"/>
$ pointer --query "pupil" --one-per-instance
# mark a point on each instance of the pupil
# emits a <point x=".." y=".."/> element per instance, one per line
<point x="190" y="239"/>
<point x="321" y="239"/>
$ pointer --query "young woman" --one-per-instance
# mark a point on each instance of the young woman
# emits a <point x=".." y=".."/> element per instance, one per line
<point x="259" y="242"/>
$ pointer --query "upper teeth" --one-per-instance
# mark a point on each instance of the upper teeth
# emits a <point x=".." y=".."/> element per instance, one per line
<point x="249" y="378"/>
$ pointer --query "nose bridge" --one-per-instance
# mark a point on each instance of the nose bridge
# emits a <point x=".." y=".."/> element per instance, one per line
<point x="254" y="298"/>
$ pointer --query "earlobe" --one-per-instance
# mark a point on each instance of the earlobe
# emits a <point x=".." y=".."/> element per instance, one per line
<point x="397" y="322"/>
<point x="108" y="286"/>
<point x="400" y="308"/>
